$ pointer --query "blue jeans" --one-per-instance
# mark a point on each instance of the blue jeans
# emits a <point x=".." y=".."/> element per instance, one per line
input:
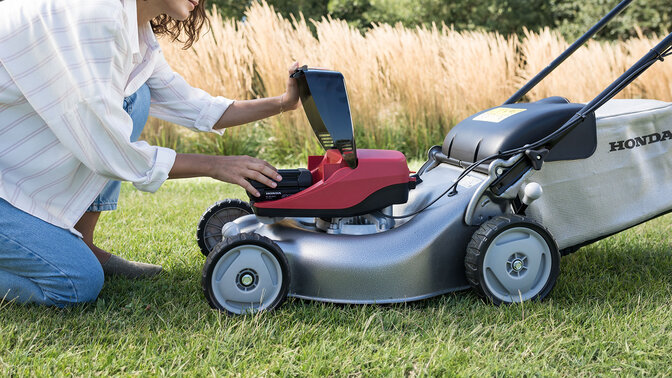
<point x="137" y="106"/>
<point x="44" y="264"/>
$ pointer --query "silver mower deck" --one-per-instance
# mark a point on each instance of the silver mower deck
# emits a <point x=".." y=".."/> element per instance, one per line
<point x="418" y="258"/>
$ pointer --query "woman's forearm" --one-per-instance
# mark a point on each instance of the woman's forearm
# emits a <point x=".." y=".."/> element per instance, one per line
<point x="242" y="112"/>
<point x="191" y="165"/>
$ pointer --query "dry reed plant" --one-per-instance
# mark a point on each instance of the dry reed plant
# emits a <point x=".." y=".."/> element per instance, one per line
<point x="275" y="43"/>
<point x="655" y="83"/>
<point x="407" y="86"/>
<point x="584" y="75"/>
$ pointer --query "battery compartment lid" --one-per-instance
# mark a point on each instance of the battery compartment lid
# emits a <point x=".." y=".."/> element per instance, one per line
<point x="325" y="101"/>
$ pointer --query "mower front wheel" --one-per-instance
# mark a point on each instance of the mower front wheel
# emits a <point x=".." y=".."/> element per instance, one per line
<point x="511" y="259"/>
<point x="246" y="273"/>
<point x="209" y="231"/>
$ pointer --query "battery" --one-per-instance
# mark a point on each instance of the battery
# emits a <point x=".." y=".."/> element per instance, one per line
<point x="293" y="181"/>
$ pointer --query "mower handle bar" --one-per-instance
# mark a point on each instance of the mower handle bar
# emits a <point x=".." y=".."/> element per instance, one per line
<point x="575" y="46"/>
<point x="540" y="148"/>
<point x="658" y="53"/>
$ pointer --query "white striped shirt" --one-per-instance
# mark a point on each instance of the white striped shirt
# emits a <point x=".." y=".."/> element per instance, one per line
<point x="65" y="68"/>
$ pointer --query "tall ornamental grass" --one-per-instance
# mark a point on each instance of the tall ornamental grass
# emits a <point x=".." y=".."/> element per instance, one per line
<point x="407" y="86"/>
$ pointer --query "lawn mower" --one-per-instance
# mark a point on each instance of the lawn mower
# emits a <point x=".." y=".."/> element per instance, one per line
<point x="510" y="191"/>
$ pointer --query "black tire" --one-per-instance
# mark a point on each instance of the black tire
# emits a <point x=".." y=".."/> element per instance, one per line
<point x="494" y="276"/>
<point x="250" y="256"/>
<point x="209" y="231"/>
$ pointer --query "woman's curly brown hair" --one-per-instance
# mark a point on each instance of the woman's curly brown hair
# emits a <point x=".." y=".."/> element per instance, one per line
<point x="187" y="31"/>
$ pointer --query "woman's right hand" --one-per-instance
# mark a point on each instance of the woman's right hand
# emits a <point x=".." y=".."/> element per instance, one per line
<point x="239" y="169"/>
<point x="232" y="169"/>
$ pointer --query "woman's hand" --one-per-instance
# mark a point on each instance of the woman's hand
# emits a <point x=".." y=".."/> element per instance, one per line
<point x="238" y="169"/>
<point x="232" y="169"/>
<point x="290" y="99"/>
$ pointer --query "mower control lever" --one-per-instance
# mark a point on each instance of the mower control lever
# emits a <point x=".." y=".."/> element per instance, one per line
<point x="537" y="157"/>
<point x="510" y="176"/>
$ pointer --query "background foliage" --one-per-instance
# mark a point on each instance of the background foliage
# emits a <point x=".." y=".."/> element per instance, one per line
<point x="407" y="85"/>
<point x="570" y="17"/>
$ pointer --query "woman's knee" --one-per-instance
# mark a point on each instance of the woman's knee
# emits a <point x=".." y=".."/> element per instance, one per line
<point x="90" y="283"/>
<point x="80" y="286"/>
<point x="43" y="263"/>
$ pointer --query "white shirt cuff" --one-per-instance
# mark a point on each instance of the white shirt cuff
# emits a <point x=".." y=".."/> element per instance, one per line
<point x="165" y="158"/>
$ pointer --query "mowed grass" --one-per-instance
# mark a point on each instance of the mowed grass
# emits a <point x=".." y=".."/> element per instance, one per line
<point x="609" y="314"/>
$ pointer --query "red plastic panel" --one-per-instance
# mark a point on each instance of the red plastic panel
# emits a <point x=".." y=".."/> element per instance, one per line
<point x="336" y="186"/>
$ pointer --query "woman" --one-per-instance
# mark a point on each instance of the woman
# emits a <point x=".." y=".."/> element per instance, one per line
<point x="75" y="83"/>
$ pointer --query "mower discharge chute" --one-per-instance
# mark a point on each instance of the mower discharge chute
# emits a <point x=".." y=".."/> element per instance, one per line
<point x="510" y="190"/>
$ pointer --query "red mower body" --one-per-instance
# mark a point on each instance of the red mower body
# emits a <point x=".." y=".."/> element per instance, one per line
<point x="380" y="179"/>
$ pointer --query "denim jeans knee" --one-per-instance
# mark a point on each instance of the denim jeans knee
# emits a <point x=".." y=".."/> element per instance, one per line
<point x="88" y="282"/>
<point x="81" y="286"/>
<point x="44" y="264"/>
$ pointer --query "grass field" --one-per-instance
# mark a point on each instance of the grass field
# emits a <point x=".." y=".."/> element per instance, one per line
<point x="609" y="314"/>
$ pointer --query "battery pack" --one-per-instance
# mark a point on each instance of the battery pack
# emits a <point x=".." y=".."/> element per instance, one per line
<point x="293" y="181"/>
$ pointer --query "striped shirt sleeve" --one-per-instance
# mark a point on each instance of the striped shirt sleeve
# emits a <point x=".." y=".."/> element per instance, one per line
<point x="174" y="100"/>
<point x="74" y="82"/>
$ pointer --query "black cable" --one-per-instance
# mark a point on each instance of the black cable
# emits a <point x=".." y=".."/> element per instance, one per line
<point x="453" y="187"/>
<point x="667" y="53"/>
<point x="664" y="54"/>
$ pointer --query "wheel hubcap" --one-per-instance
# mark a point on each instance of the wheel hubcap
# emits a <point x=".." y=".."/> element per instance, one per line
<point x="247" y="278"/>
<point x="517" y="265"/>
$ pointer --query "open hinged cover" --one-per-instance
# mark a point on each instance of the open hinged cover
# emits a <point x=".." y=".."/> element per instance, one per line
<point x="325" y="101"/>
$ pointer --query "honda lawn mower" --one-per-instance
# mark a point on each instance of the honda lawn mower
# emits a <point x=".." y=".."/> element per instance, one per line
<point x="510" y="190"/>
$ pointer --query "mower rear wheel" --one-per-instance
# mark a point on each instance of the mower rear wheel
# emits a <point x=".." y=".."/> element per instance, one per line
<point x="209" y="231"/>
<point x="246" y="273"/>
<point x="511" y="259"/>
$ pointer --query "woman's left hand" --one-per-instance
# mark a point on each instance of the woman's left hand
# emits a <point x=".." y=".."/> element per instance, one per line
<point x="290" y="99"/>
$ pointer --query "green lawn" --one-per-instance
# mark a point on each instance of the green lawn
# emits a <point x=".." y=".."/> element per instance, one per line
<point x="609" y="314"/>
